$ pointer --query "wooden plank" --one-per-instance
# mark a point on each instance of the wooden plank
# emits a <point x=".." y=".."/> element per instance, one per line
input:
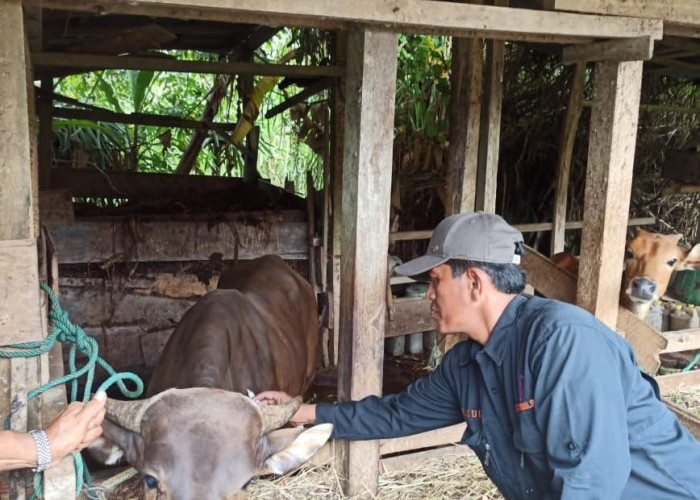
<point x="489" y="142"/>
<point x="682" y="340"/>
<point x="465" y="118"/>
<point x="56" y="208"/>
<point x="676" y="11"/>
<point x="630" y="49"/>
<point x="404" y="463"/>
<point x="19" y="292"/>
<point x="678" y="381"/>
<point x="129" y="240"/>
<point x="566" y="149"/>
<point x="548" y="278"/>
<point x="438" y="437"/>
<point x="689" y="420"/>
<point x="411" y="315"/>
<point x="644" y="339"/>
<point x="523" y="228"/>
<point x="612" y="140"/>
<point x="16" y="200"/>
<point x="402" y="16"/>
<point x="367" y="164"/>
<point x="45" y="134"/>
<point x="92" y="62"/>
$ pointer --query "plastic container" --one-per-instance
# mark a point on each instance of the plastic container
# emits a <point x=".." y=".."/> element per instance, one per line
<point x="694" y="318"/>
<point x="655" y="316"/>
<point x="680" y="319"/>
<point x="415" y="343"/>
<point x="395" y="346"/>
<point x="666" y="317"/>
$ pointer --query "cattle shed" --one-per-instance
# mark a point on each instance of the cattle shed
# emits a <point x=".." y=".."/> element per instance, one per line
<point x="340" y="239"/>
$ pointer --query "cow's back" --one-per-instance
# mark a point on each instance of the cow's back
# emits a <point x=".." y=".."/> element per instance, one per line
<point x="258" y="331"/>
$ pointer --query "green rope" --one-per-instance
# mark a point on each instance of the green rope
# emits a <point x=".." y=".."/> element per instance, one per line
<point x="691" y="364"/>
<point x="66" y="332"/>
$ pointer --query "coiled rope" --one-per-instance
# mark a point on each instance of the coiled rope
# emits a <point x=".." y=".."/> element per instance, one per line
<point x="66" y="332"/>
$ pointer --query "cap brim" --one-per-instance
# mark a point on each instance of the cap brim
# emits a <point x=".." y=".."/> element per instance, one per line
<point x="421" y="265"/>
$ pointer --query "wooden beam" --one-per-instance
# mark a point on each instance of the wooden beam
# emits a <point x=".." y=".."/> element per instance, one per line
<point x="124" y="239"/>
<point x="547" y="278"/>
<point x="369" y="132"/>
<point x="406" y="462"/>
<point x="43" y="61"/>
<point x="676" y="11"/>
<point x="630" y="49"/>
<point x="309" y="91"/>
<point x="682" y="340"/>
<point x="613" y="134"/>
<point x="678" y="381"/>
<point x="490" y="133"/>
<point x="139" y="119"/>
<point x="523" y="228"/>
<point x="646" y="341"/>
<point x="438" y="437"/>
<point x="45" y="134"/>
<point x="466" y="83"/>
<point x="400" y="16"/>
<point x="411" y="315"/>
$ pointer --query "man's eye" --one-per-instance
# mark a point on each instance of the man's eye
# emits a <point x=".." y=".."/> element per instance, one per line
<point x="151" y="481"/>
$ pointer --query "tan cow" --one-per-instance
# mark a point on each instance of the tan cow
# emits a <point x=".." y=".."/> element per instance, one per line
<point x="650" y="259"/>
<point x="196" y="436"/>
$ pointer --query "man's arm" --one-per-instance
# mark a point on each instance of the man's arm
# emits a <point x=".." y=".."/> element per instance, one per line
<point x="580" y="406"/>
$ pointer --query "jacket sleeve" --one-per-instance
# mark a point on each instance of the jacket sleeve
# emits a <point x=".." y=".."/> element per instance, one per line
<point x="580" y="407"/>
<point x="428" y="403"/>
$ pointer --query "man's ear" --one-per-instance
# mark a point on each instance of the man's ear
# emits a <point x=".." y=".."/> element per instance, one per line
<point x="286" y="450"/>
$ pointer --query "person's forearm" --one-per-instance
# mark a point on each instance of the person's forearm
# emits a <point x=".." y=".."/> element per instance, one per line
<point x="305" y="415"/>
<point x="17" y="450"/>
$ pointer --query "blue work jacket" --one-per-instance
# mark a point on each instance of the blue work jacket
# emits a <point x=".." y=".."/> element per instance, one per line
<point x="555" y="406"/>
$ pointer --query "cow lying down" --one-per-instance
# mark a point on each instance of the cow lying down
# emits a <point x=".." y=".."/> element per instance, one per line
<point x="197" y="436"/>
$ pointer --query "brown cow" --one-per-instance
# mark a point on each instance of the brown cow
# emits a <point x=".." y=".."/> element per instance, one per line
<point x="650" y="259"/>
<point x="196" y="436"/>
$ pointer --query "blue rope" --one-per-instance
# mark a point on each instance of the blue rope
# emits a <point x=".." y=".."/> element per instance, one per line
<point x="66" y="332"/>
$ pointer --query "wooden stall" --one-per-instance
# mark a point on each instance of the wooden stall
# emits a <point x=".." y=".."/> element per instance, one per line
<point x="356" y="223"/>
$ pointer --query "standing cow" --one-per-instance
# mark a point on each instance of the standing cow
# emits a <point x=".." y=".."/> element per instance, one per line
<point x="197" y="436"/>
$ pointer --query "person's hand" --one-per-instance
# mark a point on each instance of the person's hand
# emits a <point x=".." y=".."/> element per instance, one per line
<point x="306" y="414"/>
<point x="78" y="425"/>
<point x="268" y="398"/>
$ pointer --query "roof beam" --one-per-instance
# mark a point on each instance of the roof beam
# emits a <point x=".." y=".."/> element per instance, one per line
<point x="675" y="11"/>
<point x="45" y="61"/>
<point x="404" y="16"/>
<point x="629" y="49"/>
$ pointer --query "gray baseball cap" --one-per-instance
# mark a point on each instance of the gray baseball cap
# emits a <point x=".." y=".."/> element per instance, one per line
<point x="469" y="236"/>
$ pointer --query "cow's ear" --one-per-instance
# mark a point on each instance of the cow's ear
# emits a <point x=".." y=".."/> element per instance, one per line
<point x="129" y="441"/>
<point x="287" y="451"/>
<point x="692" y="258"/>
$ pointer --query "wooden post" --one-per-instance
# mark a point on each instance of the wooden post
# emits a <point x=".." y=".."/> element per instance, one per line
<point x="490" y="130"/>
<point x="45" y="133"/>
<point x="612" y="140"/>
<point x="369" y="127"/>
<point x="568" y="135"/>
<point x="465" y="117"/>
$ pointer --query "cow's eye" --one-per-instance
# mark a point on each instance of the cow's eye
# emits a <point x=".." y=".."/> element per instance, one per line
<point x="628" y="254"/>
<point x="151" y="481"/>
<point x="671" y="262"/>
<point x="247" y="483"/>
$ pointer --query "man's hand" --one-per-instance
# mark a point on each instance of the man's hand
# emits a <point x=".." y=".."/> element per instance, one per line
<point x="76" y="427"/>
<point x="306" y="414"/>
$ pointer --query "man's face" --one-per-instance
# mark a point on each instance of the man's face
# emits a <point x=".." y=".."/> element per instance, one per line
<point x="450" y="299"/>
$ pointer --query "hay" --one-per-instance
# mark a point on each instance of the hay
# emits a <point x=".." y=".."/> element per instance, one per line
<point x="687" y="398"/>
<point x="444" y="478"/>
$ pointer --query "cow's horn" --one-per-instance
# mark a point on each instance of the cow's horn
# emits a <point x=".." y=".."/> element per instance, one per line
<point x="275" y="416"/>
<point x="128" y="414"/>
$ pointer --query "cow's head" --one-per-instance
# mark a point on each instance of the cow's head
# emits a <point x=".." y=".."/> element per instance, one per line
<point x="207" y="443"/>
<point x="650" y="259"/>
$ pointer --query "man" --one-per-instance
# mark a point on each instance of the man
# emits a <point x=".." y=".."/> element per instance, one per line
<point x="554" y="402"/>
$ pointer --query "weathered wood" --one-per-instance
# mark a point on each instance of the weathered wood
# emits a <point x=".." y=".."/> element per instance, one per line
<point x="677" y="188"/>
<point x="682" y="340"/>
<point x="19" y="288"/>
<point x="466" y="84"/>
<point x="547" y="278"/>
<point x="91" y="62"/>
<point x="144" y="240"/>
<point x="367" y="161"/>
<point x="410" y="315"/>
<point x="406" y="16"/>
<point x="566" y="149"/>
<point x="45" y="134"/>
<point x="677" y="11"/>
<point x="608" y="186"/>
<point x="16" y="200"/>
<point x="678" y="381"/>
<point x="438" y="437"/>
<point x="56" y="208"/>
<point x="405" y="463"/>
<point x="139" y="119"/>
<point x="487" y="171"/>
<point x="644" y="339"/>
<point x="523" y="228"/>
<point x="631" y="49"/>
